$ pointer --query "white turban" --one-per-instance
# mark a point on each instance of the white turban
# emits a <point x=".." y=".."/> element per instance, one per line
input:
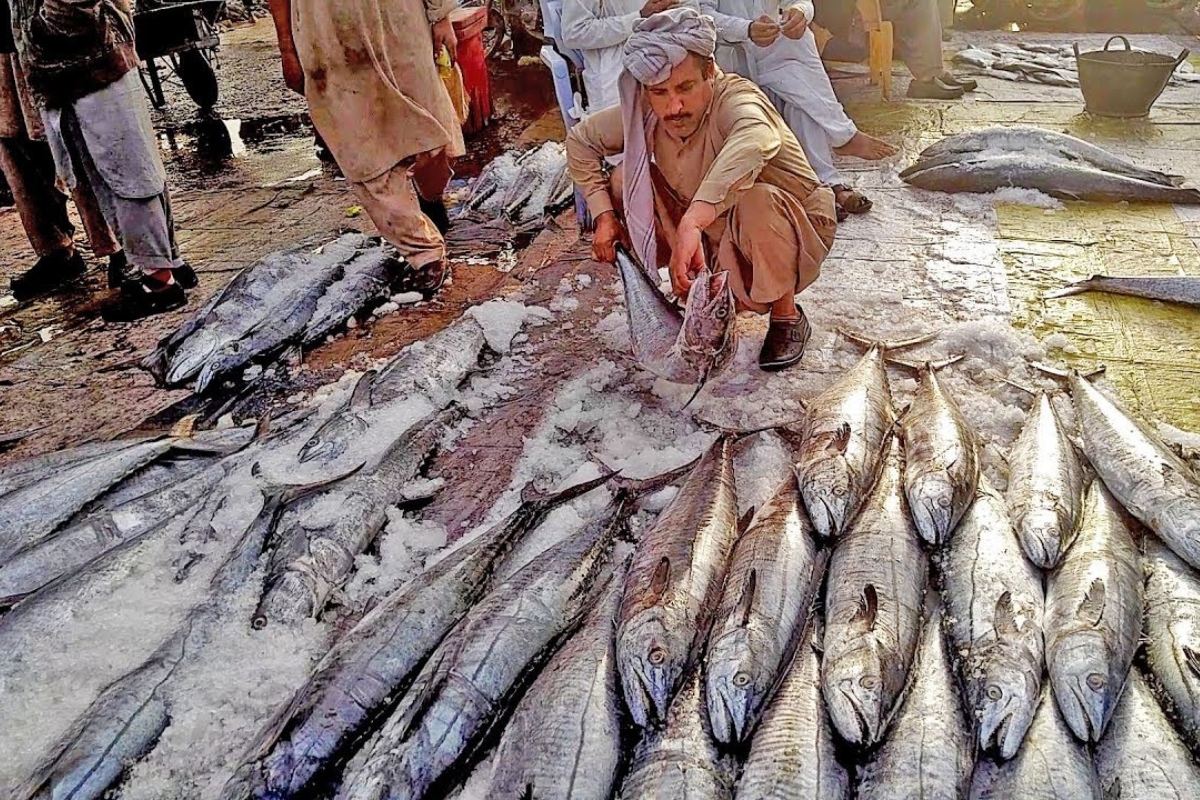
<point x="658" y="44"/>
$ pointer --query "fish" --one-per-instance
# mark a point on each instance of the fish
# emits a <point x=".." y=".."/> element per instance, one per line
<point x="674" y="584"/>
<point x="1045" y="485"/>
<point x="1172" y="635"/>
<point x="974" y="57"/>
<point x="1051" y="765"/>
<point x="473" y="678"/>
<point x="490" y="182"/>
<point x="873" y="606"/>
<point x="1156" y="486"/>
<point x="930" y="753"/>
<point x="35" y="468"/>
<point x="378" y="658"/>
<point x="365" y="280"/>
<point x="564" y="739"/>
<point x="680" y="760"/>
<point x="1142" y="757"/>
<point x="1181" y="289"/>
<point x="774" y="573"/>
<point x="842" y="439"/>
<point x="941" y="459"/>
<point x="994" y="611"/>
<point x="792" y="753"/>
<point x="1062" y="179"/>
<point x="686" y="349"/>
<point x="1094" y="617"/>
<point x="1035" y="141"/>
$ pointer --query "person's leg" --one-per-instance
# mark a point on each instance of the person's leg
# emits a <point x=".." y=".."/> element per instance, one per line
<point x="798" y="77"/>
<point x="392" y="203"/>
<point x="813" y="137"/>
<point x="918" y="31"/>
<point x="431" y="174"/>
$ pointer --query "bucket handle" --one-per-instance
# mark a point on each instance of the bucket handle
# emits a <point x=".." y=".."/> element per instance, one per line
<point x="1113" y="39"/>
<point x="1182" y="57"/>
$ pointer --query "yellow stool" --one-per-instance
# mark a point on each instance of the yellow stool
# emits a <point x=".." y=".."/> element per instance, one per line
<point x="881" y="45"/>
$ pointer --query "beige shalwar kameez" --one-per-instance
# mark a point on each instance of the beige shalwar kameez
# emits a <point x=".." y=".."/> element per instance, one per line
<point x="775" y="222"/>
<point x="375" y="96"/>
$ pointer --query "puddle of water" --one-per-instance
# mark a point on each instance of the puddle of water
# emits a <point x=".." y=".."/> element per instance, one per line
<point x="267" y="151"/>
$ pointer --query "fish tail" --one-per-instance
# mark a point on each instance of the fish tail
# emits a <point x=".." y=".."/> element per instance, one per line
<point x="531" y="495"/>
<point x="884" y="345"/>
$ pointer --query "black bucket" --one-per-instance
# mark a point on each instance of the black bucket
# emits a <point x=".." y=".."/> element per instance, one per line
<point x="1123" y="83"/>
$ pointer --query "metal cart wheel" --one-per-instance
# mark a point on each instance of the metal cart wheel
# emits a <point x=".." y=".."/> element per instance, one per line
<point x="195" y="71"/>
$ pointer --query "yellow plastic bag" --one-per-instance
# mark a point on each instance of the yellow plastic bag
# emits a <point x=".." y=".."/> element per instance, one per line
<point x="452" y="78"/>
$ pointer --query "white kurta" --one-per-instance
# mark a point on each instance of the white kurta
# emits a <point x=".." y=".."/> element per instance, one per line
<point x="599" y="30"/>
<point x="790" y="72"/>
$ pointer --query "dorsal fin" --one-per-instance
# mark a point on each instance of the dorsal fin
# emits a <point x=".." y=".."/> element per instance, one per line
<point x="746" y="601"/>
<point x="1192" y="657"/>
<point x="361" y="397"/>
<point x="868" y="608"/>
<point x="746" y="519"/>
<point x="660" y="578"/>
<point x="1005" y="620"/>
<point x="841" y="438"/>
<point x="1091" y="608"/>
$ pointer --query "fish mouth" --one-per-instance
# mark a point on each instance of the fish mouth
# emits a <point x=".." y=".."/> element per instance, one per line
<point x="718" y="283"/>
<point x="825" y="520"/>
<point x="728" y="726"/>
<point x="938" y="521"/>
<point x="996" y="729"/>
<point x="639" y="697"/>
<point x="1082" y="722"/>
<point x="866" y="730"/>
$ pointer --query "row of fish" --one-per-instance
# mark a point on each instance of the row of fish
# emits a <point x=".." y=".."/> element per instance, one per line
<point x="294" y="297"/>
<point x="1056" y="164"/>
<point x="523" y="187"/>
<point x="1048" y="64"/>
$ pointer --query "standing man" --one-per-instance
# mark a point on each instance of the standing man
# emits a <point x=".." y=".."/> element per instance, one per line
<point x="769" y="42"/>
<point x="81" y="62"/>
<point x="726" y="172"/>
<point x="367" y="69"/>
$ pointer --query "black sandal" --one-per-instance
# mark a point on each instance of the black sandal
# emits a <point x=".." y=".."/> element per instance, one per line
<point x="855" y="202"/>
<point x="144" y="297"/>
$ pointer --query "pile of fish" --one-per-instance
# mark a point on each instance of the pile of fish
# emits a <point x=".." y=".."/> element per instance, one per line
<point x="522" y="187"/>
<point x="886" y="625"/>
<point x="1038" y="63"/>
<point x="294" y="297"/>
<point x="1033" y="158"/>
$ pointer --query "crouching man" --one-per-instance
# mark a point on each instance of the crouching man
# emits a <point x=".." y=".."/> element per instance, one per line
<point x="710" y="167"/>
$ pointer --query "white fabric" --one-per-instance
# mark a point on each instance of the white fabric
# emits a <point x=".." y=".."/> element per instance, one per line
<point x="599" y="30"/>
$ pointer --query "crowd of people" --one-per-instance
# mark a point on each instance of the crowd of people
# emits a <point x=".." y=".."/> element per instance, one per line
<point x="709" y="139"/>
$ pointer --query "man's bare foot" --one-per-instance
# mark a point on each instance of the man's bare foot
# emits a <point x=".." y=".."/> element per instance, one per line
<point x="866" y="147"/>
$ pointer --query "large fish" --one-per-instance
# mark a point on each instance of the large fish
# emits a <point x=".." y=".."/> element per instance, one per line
<point x="481" y="667"/>
<point x="564" y="740"/>
<point x="1142" y="757"/>
<point x="774" y="573"/>
<point x="1051" y="765"/>
<point x="35" y="468"/>
<point x="873" y="607"/>
<point x="1172" y="636"/>
<point x="680" y="760"/>
<point x="1045" y="485"/>
<point x="1065" y="180"/>
<point x="792" y="754"/>
<point x="674" y="584"/>
<point x="929" y="754"/>
<point x="842" y="440"/>
<point x="1094" y="617"/>
<point x="377" y="659"/>
<point x="1182" y="289"/>
<point x="1153" y="483"/>
<point x="994" y="609"/>
<point x="941" y="459"/>
<point x="682" y="349"/>
<point x="365" y="280"/>
<point x="1034" y="141"/>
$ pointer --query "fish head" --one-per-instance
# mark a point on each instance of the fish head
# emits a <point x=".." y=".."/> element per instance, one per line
<point x="737" y="683"/>
<point x="651" y="658"/>
<point x="932" y="500"/>
<point x="826" y="492"/>
<point x="854" y="687"/>
<point x="1006" y="695"/>
<point x="1083" y="684"/>
<point x="333" y="438"/>
<point x="224" y="359"/>
<point x="1043" y="536"/>
<point x="708" y="322"/>
<point x="191" y="356"/>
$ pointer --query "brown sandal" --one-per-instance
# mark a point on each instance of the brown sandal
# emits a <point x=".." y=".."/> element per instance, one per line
<point x="850" y="200"/>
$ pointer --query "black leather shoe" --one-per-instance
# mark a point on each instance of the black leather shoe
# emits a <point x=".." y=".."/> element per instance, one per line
<point x="784" y="345"/>
<point x="426" y="280"/>
<point x="143" y="298"/>
<point x="49" y="273"/>
<point x="952" y="80"/>
<point x="933" y="89"/>
<point x="185" y="276"/>
<point x="118" y="270"/>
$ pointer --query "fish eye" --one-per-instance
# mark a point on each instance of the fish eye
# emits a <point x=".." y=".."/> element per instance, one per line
<point x="657" y="656"/>
<point x="741" y="680"/>
<point x="839" y="491"/>
<point x="868" y="681"/>
<point x="994" y="692"/>
<point x="1096" y="681"/>
<point x="722" y="312"/>
<point x="944" y="502"/>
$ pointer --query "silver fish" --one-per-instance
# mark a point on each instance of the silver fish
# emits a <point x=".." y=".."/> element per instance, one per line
<point x="792" y="753"/>
<point x="673" y="586"/>
<point x="30" y="470"/>
<point x="941" y="459"/>
<point x="364" y="281"/>
<point x="564" y="740"/>
<point x="994" y="609"/>
<point x="1094" y="617"/>
<point x="489" y="184"/>
<point x="873" y="606"/>
<point x="1172" y="636"/>
<point x="929" y="754"/>
<point x="774" y="572"/>
<point x="680" y="760"/>
<point x="1057" y="177"/>
<point x="1045" y="486"/>
<point x="1142" y="757"/>
<point x="682" y="349"/>
<point x="1182" y="289"/>
<point x="1051" y="765"/>
<point x="483" y="664"/>
<point x="1033" y="141"/>
<point x="378" y="658"/>
<point x="1153" y="483"/>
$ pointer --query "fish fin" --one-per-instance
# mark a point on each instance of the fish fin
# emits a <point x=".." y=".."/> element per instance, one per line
<point x="922" y="366"/>
<point x="841" y="438"/>
<point x="287" y="493"/>
<point x="1027" y="390"/>
<point x="1063" y="374"/>
<point x="746" y="519"/>
<point x="864" y="341"/>
<point x="186" y="427"/>
<point x="1091" y="608"/>
<point x="1078" y="287"/>
<point x="1005" y="620"/>
<point x="1192" y="657"/>
<point x="746" y="601"/>
<point x="361" y="397"/>
<point x="868" y="608"/>
<point x="660" y="578"/>
<point x="638" y="488"/>
<point x="529" y="494"/>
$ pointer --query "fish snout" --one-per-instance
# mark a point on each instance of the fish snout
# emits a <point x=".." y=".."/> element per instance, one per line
<point x="646" y="706"/>
<point x="1083" y="706"/>
<point x="1003" y="724"/>
<point x="932" y="517"/>
<point x="858" y="721"/>
<point x="1042" y="538"/>
<point x="718" y="284"/>
<point x="727" y="711"/>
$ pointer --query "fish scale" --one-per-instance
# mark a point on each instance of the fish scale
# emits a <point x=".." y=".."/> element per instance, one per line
<point x="1172" y="634"/>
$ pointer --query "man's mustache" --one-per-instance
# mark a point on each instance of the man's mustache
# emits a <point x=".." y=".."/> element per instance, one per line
<point x="677" y="117"/>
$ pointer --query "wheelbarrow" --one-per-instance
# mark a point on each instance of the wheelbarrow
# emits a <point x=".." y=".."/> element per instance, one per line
<point x="179" y="37"/>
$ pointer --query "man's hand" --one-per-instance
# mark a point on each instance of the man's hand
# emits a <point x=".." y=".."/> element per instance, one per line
<point x="764" y="31"/>
<point x="687" y="257"/>
<point x="443" y="36"/>
<point x="794" y="23"/>
<point x="604" y="241"/>
<point x="293" y="73"/>
<point x="652" y="7"/>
